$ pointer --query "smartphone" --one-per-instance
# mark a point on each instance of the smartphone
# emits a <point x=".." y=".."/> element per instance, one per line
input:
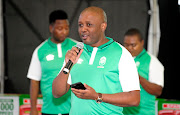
<point x="78" y="85"/>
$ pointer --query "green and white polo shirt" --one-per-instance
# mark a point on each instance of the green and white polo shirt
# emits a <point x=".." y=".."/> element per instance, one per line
<point x="109" y="69"/>
<point x="152" y="70"/>
<point x="44" y="67"/>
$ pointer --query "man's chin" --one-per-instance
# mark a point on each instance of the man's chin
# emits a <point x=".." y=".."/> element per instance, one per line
<point x="133" y="55"/>
<point x="86" y="42"/>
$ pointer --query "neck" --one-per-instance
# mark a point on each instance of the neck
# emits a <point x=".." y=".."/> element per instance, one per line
<point x="100" y="42"/>
<point x="55" y="41"/>
<point x="139" y="52"/>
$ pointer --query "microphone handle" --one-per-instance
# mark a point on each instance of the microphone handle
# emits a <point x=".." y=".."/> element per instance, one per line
<point x="69" y="65"/>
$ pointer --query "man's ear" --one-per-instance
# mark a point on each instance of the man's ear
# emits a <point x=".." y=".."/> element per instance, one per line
<point x="51" y="28"/>
<point x="142" y="42"/>
<point x="103" y="26"/>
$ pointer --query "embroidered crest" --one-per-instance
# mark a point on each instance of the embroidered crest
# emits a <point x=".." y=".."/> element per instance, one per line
<point x="102" y="62"/>
<point x="50" y="57"/>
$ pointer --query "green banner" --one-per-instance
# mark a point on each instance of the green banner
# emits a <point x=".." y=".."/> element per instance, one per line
<point x="25" y="104"/>
<point x="168" y="107"/>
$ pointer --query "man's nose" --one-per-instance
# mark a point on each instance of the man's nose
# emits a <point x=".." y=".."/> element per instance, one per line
<point x="129" y="48"/>
<point x="84" y="29"/>
<point x="64" y="31"/>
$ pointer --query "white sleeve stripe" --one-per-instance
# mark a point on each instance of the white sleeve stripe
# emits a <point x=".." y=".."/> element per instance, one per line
<point x="156" y="71"/>
<point x="33" y="77"/>
<point x="34" y="71"/>
<point x="128" y="75"/>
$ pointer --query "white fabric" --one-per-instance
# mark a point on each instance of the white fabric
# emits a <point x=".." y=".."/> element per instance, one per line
<point x="154" y="29"/>
<point x="128" y="75"/>
<point x="59" y="50"/>
<point x="93" y="55"/>
<point x="156" y="71"/>
<point x="34" y="71"/>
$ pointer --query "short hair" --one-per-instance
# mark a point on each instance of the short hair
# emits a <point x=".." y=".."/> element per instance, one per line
<point x="97" y="10"/>
<point x="134" y="31"/>
<point x="57" y="14"/>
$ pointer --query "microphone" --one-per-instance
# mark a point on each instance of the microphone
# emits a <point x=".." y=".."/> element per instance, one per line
<point x="68" y="66"/>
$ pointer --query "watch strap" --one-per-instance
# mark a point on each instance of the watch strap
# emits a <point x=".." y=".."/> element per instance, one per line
<point x="99" y="99"/>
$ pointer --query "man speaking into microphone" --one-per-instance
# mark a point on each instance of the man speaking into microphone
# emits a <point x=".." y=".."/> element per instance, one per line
<point x="105" y="68"/>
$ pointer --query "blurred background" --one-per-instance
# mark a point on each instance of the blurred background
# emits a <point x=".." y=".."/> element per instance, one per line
<point x="24" y="25"/>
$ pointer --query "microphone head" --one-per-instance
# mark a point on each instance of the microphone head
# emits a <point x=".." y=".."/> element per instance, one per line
<point x="80" y="45"/>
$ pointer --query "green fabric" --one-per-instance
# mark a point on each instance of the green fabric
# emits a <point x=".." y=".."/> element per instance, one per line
<point x="147" y="102"/>
<point x="102" y="75"/>
<point x="50" y="70"/>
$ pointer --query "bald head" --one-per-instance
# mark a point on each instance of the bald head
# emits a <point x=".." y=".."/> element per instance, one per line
<point x="99" y="11"/>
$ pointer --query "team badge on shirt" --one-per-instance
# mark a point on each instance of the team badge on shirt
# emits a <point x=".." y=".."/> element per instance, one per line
<point x="50" y="57"/>
<point x="102" y="62"/>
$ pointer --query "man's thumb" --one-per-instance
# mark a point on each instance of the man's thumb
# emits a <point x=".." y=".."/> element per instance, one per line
<point x="86" y="86"/>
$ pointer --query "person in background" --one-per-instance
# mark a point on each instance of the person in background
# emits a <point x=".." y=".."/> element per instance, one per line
<point x="105" y="67"/>
<point x="151" y="74"/>
<point x="46" y="60"/>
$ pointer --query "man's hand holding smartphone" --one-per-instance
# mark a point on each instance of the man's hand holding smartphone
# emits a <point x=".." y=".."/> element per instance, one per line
<point x="84" y="91"/>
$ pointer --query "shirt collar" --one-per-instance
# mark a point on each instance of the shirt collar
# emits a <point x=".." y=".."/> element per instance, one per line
<point x="142" y="52"/>
<point x="90" y="48"/>
<point x="55" y="44"/>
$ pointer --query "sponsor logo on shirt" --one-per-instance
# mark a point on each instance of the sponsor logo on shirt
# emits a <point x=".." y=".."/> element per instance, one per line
<point x="102" y="62"/>
<point x="50" y="57"/>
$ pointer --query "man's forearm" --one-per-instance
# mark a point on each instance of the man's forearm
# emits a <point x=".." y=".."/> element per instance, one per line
<point x="151" y="88"/>
<point x="34" y="91"/>
<point x="124" y="99"/>
<point x="60" y="85"/>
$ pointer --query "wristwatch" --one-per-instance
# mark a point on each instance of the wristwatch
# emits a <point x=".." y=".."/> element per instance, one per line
<point x="99" y="99"/>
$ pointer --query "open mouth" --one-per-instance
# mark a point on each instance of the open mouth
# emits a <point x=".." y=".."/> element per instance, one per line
<point x="84" y="37"/>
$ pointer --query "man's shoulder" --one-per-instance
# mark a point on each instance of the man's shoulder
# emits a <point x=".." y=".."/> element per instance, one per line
<point x="117" y="46"/>
<point x="154" y="59"/>
<point x="72" y="41"/>
<point x="119" y="50"/>
<point x="42" y="45"/>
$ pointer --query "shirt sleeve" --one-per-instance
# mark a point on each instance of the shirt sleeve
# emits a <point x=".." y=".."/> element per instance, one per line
<point x="128" y="75"/>
<point x="34" y="71"/>
<point x="156" y="71"/>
